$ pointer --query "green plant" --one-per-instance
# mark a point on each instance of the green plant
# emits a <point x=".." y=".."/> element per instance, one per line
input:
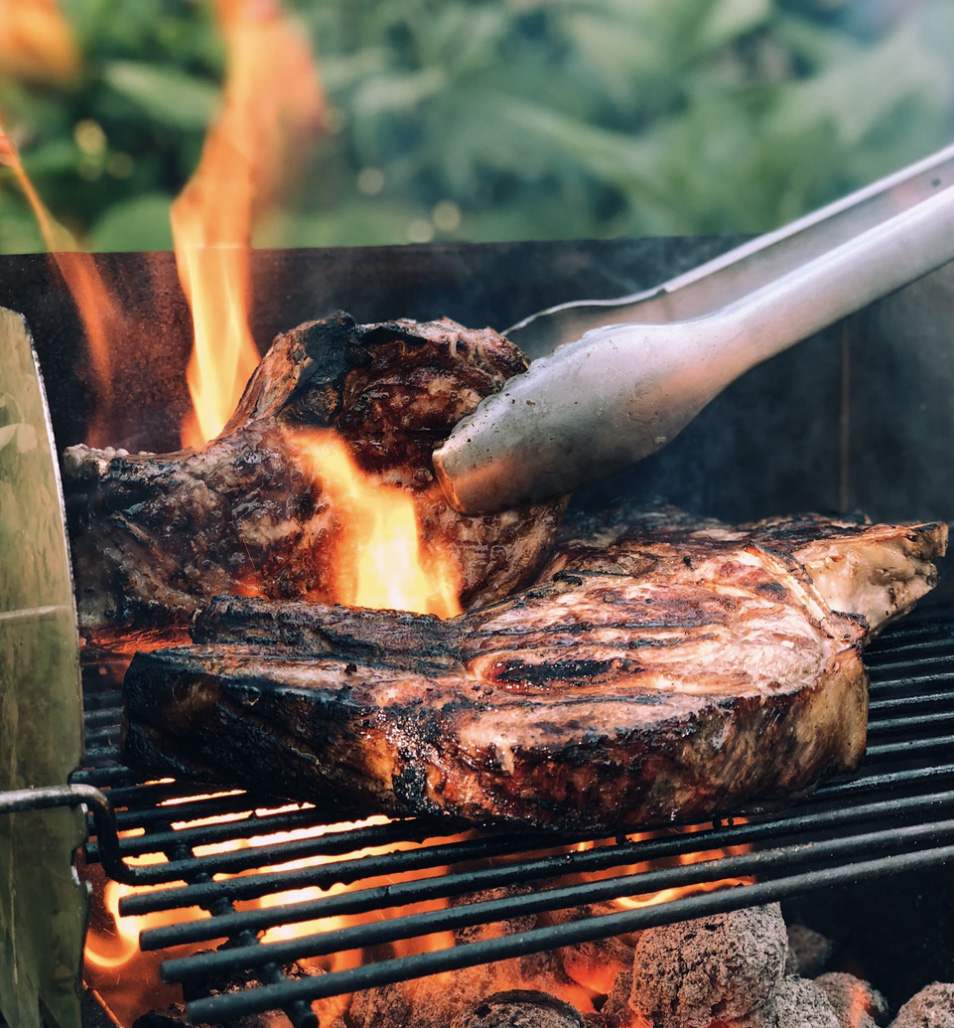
<point x="501" y="119"/>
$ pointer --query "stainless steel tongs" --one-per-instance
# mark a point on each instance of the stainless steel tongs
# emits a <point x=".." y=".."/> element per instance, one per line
<point x="633" y="372"/>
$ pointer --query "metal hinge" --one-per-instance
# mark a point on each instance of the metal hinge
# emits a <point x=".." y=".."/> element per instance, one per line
<point x="49" y="797"/>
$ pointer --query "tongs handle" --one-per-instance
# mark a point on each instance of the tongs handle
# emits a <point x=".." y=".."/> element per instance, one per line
<point x="746" y="268"/>
<point x="623" y="391"/>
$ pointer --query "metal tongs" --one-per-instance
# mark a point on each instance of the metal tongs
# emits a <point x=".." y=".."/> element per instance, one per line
<point x="633" y="372"/>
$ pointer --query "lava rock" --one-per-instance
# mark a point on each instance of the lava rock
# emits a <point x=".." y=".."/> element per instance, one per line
<point x="616" y="1011"/>
<point x="721" y="968"/>
<point x="809" y="951"/>
<point x="932" y="1007"/>
<point x="521" y="1009"/>
<point x="799" y="1003"/>
<point x="856" y="1003"/>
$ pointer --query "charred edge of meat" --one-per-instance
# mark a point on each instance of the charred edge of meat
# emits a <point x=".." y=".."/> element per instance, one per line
<point x="631" y="686"/>
<point x="415" y="756"/>
<point x="155" y="537"/>
<point x="393" y="637"/>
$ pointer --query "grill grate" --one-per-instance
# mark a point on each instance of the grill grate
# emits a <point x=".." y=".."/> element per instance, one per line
<point x="896" y="813"/>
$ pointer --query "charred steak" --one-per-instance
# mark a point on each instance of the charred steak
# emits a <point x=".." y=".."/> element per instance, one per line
<point x="878" y="571"/>
<point x="155" y="537"/>
<point x="670" y="673"/>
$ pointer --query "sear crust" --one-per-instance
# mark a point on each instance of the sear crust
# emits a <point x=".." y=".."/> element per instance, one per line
<point x="877" y="571"/>
<point x="670" y="672"/>
<point x="155" y="537"/>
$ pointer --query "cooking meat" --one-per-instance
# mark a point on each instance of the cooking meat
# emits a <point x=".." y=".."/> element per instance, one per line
<point x="154" y="537"/>
<point x="878" y="571"/>
<point x="671" y="673"/>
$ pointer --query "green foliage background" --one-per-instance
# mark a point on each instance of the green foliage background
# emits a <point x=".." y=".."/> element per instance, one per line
<point x="503" y="119"/>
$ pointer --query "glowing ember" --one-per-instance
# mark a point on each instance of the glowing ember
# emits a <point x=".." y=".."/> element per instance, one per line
<point x="380" y="560"/>
<point x="685" y="859"/>
<point x="579" y="976"/>
<point x="272" y="104"/>
<point x="127" y="978"/>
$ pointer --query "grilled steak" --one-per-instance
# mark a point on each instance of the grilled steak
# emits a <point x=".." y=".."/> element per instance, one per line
<point x="667" y="674"/>
<point x="878" y="571"/>
<point x="154" y="537"/>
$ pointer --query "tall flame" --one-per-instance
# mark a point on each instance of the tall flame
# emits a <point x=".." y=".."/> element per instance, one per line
<point x="90" y="293"/>
<point x="380" y="559"/>
<point x="36" y="43"/>
<point x="272" y="104"/>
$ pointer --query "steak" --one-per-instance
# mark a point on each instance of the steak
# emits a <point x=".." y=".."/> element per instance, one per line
<point x="155" y="537"/>
<point x="668" y="671"/>
<point x="878" y="571"/>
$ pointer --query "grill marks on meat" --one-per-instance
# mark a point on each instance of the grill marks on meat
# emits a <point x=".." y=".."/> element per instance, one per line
<point x="670" y="674"/>
<point x="155" y="537"/>
<point x="877" y="571"/>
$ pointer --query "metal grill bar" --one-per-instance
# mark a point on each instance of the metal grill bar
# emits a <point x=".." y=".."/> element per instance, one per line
<point x="931" y="699"/>
<point x="206" y="834"/>
<point x="538" y="940"/>
<point x="255" y="886"/>
<point x="488" y="912"/>
<point x="923" y="777"/>
<point x="925" y="678"/>
<point x="902" y="724"/>
<point x="838" y="836"/>
<point x="535" y="870"/>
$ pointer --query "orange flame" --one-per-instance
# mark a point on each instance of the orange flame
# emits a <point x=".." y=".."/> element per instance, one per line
<point x="126" y="978"/>
<point x="36" y="43"/>
<point x="272" y="102"/>
<point x="112" y="951"/>
<point x="380" y="561"/>
<point x="667" y="895"/>
<point x="114" y="962"/>
<point x="90" y="293"/>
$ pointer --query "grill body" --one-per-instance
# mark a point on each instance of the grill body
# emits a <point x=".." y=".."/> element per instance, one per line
<point x="858" y="417"/>
<point x="868" y="402"/>
<point x="895" y="815"/>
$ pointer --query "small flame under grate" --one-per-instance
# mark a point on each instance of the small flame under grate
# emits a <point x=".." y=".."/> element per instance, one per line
<point x="896" y="813"/>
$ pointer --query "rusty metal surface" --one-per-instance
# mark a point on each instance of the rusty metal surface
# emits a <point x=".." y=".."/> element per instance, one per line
<point x="42" y="906"/>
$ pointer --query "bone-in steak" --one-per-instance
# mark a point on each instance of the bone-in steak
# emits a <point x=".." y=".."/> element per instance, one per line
<point x="668" y="673"/>
<point x="155" y="537"/>
<point x="878" y="571"/>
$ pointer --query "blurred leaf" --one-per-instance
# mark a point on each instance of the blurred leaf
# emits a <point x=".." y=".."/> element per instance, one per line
<point x="356" y="222"/>
<point x="18" y="230"/>
<point x="138" y="224"/>
<point x="860" y="92"/>
<point x="728" y="20"/>
<point x="537" y="118"/>
<point x="339" y="71"/>
<point x="614" y="157"/>
<point x="169" y="96"/>
<point x="389" y="93"/>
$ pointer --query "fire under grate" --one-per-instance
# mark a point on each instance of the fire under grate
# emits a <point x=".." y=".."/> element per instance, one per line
<point x="895" y="814"/>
